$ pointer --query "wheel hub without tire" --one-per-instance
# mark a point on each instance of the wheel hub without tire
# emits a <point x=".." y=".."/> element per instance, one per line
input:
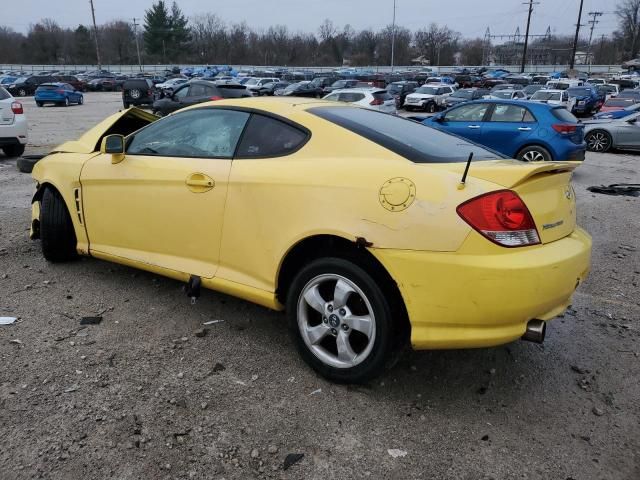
<point x="336" y="321"/>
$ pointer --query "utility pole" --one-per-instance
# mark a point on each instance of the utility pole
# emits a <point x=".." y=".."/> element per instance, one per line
<point x="393" y="36"/>
<point x="593" y="23"/>
<point x="575" y="40"/>
<point x="526" y="36"/>
<point x="135" y="33"/>
<point x="95" y="34"/>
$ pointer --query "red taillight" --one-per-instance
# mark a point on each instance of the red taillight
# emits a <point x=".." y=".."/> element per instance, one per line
<point x="502" y="217"/>
<point x="564" y="128"/>
<point x="149" y="93"/>
<point x="216" y="98"/>
<point x="60" y="91"/>
<point x="16" y="108"/>
<point x="377" y="101"/>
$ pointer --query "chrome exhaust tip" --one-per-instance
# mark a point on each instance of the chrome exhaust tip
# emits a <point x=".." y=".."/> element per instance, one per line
<point x="536" y="330"/>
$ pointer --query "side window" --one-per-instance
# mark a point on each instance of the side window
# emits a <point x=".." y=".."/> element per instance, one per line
<point x="181" y="93"/>
<point x="467" y="113"/>
<point x="268" y="137"/>
<point x="351" y="97"/>
<point x="201" y="133"/>
<point x="510" y="113"/>
<point x="197" y="90"/>
<point x="333" y="97"/>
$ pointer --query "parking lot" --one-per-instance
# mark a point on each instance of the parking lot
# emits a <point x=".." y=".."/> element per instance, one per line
<point x="147" y="393"/>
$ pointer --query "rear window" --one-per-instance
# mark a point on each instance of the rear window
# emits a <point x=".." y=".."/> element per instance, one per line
<point x="135" y="84"/>
<point x="382" y="95"/>
<point x="579" y="92"/>
<point x="622" y="102"/>
<point x="48" y="87"/>
<point x="4" y="94"/>
<point x="564" y="115"/>
<point x="412" y="140"/>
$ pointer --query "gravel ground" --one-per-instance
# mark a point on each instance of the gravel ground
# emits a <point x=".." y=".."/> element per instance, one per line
<point x="143" y="395"/>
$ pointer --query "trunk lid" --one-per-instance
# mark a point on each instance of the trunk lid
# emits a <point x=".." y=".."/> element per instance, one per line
<point x="124" y="123"/>
<point x="6" y="114"/>
<point x="544" y="187"/>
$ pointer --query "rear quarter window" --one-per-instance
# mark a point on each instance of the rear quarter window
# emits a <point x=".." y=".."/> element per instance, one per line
<point x="411" y="140"/>
<point x="564" y="115"/>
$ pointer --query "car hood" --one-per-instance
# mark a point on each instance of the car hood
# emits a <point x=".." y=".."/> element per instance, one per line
<point x="420" y="95"/>
<point x="124" y="122"/>
<point x="599" y="120"/>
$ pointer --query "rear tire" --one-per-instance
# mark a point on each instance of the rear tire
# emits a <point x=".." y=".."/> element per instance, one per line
<point x="339" y="343"/>
<point x="13" y="150"/>
<point x="57" y="236"/>
<point x="598" y="141"/>
<point x="39" y="104"/>
<point x="534" y="153"/>
<point x="66" y="102"/>
<point x="81" y="101"/>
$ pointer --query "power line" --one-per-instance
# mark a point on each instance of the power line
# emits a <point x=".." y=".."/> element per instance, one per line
<point x="526" y="35"/>
<point x="575" y="40"/>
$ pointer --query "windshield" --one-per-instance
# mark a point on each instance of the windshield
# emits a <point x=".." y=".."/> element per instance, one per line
<point x="7" y="80"/>
<point x="394" y="88"/>
<point x="558" y="85"/>
<point x="619" y="103"/>
<point x="412" y="140"/>
<point x="506" y="94"/>
<point x="252" y="81"/>
<point x="532" y="89"/>
<point x="545" y="96"/>
<point x="579" y="92"/>
<point x="339" y="84"/>
<point x="463" y="94"/>
<point x="428" y="90"/>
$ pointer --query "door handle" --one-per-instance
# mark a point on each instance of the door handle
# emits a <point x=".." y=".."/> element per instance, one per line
<point x="199" y="182"/>
<point x="524" y="129"/>
<point x="474" y="126"/>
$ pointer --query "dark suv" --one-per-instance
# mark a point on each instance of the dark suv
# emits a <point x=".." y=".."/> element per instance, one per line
<point x="198" y="91"/>
<point x="24" y="86"/>
<point x="137" y="91"/>
<point x="400" y="90"/>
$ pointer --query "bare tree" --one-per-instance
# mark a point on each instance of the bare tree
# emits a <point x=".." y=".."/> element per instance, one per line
<point x="628" y="12"/>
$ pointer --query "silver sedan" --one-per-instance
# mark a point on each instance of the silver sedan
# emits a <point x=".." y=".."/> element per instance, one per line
<point x="603" y="135"/>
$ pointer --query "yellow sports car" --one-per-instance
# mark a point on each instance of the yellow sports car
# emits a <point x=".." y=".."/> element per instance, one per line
<point x="369" y="229"/>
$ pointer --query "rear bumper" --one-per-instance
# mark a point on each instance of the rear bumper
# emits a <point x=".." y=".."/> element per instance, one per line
<point x="16" y="133"/>
<point x="484" y="295"/>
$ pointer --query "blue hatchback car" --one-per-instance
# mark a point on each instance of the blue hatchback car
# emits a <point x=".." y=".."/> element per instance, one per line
<point x="528" y="131"/>
<point x="58" y="94"/>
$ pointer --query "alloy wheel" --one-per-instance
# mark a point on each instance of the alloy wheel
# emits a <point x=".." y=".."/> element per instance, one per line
<point x="533" y="156"/>
<point x="336" y="321"/>
<point x="598" y="142"/>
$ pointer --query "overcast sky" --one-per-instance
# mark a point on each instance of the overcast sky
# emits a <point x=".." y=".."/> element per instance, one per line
<point x="470" y="17"/>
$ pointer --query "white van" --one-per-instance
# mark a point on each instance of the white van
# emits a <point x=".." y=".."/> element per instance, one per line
<point x="563" y="84"/>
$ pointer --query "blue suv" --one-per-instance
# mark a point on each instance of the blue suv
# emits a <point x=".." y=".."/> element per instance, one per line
<point x="528" y="131"/>
<point x="588" y="100"/>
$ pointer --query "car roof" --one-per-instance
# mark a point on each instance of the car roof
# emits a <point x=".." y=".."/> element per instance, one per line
<point x="52" y="84"/>
<point x="359" y="89"/>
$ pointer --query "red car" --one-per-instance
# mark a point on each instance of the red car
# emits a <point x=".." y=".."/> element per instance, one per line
<point x="614" y="104"/>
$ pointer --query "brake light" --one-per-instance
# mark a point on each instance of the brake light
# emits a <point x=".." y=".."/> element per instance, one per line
<point x="149" y="93"/>
<point x="216" y="98"/>
<point x="60" y="91"/>
<point x="502" y="217"/>
<point x="377" y="101"/>
<point x="16" y="108"/>
<point x="564" y="128"/>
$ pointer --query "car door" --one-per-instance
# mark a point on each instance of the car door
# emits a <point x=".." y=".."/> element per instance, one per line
<point x="508" y="128"/>
<point x="163" y="204"/>
<point x="628" y="133"/>
<point x="465" y="120"/>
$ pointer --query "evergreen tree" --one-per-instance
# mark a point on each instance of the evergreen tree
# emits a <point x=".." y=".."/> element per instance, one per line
<point x="165" y="31"/>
